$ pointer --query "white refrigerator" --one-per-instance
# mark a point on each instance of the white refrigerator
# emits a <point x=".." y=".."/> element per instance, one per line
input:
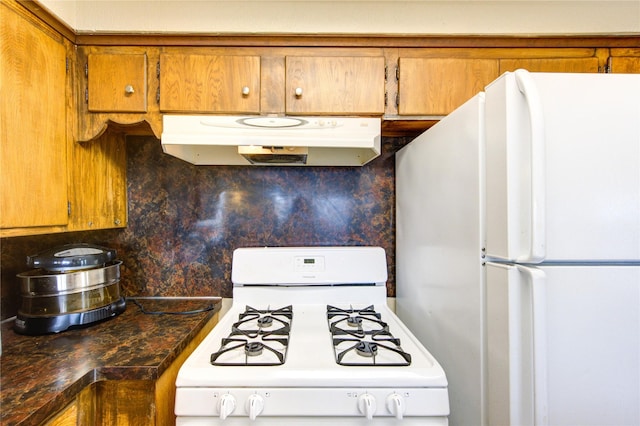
<point x="518" y="250"/>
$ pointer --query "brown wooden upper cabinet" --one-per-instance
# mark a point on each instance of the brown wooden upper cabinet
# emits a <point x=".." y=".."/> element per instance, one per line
<point x="209" y="83"/>
<point x="550" y="64"/>
<point x="325" y="85"/>
<point x="335" y="85"/>
<point x="625" y="64"/>
<point x="117" y="82"/>
<point x="33" y="140"/>
<point x="437" y="86"/>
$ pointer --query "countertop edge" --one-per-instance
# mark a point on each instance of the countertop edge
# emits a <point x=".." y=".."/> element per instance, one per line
<point x="62" y="399"/>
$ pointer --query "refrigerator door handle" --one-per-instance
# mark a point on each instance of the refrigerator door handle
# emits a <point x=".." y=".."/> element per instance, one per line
<point x="537" y="245"/>
<point x="537" y="278"/>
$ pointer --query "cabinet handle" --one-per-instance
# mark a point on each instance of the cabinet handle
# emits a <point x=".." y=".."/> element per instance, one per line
<point x="298" y="92"/>
<point x="245" y="91"/>
<point x="128" y="89"/>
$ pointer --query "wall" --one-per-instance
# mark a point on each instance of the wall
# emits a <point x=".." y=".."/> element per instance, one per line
<point x="185" y="221"/>
<point x="351" y="16"/>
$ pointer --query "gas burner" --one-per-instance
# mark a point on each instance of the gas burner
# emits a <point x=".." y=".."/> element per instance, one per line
<point x="265" y="322"/>
<point x="359" y="352"/>
<point x="354" y="321"/>
<point x="367" y="349"/>
<point x="254" y="323"/>
<point x="260" y="337"/>
<point x="253" y="348"/>
<point x="245" y="352"/>
<point x="360" y="337"/>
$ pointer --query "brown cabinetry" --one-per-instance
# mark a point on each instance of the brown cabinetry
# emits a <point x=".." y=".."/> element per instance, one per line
<point x="437" y="86"/>
<point x="335" y="85"/>
<point x="116" y="88"/>
<point x="625" y="64"/>
<point x="33" y="139"/>
<point x="79" y="412"/>
<point x="434" y="82"/>
<point x="55" y="94"/>
<point x="579" y="65"/>
<point x="98" y="190"/>
<point x="117" y="82"/>
<point x="209" y="83"/>
<point x="49" y="183"/>
<point x="624" y="61"/>
<point x="325" y="85"/>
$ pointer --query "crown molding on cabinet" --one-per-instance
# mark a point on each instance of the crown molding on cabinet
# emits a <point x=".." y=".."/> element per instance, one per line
<point x="328" y="40"/>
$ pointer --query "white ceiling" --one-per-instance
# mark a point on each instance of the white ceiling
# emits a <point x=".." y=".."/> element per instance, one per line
<point x="537" y="17"/>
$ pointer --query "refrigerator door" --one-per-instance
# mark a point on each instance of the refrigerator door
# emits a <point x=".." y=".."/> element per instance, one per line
<point x="438" y="240"/>
<point x="563" y="344"/>
<point x="563" y="167"/>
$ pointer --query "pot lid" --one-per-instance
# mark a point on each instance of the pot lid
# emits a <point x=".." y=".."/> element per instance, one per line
<point x="72" y="257"/>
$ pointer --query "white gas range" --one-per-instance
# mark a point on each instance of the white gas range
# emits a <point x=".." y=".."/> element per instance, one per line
<point x="309" y="339"/>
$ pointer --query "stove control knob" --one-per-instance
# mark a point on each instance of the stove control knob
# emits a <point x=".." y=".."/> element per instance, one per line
<point x="367" y="405"/>
<point x="226" y="405"/>
<point x="395" y="405"/>
<point x="255" y="405"/>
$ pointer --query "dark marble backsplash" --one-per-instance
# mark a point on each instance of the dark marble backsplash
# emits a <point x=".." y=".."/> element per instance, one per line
<point x="185" y="221"/>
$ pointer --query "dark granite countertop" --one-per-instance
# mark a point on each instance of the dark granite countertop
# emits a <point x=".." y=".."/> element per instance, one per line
<point x="40" y="375"/>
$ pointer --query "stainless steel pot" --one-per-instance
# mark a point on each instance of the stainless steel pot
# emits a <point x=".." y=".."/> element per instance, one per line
<point x="76" y="285"/>
<point x="42" y="283"/>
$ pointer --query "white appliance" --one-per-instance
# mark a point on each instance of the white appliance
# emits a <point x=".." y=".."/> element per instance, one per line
<point x="518" y="250"/>
<point x="309" y="340"/>
<point x="271" y="140"/>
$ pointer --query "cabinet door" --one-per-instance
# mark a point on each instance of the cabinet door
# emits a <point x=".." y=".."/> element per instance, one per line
<point x="334" y="85"/>
<point x="81" y="411"/>
<point x="117" y="82"/>
<point x="67" y="417"/>
<point x="209" y="83"/>
<point x="437" y="86"/>
<point x="625" y="64"/>
<point x="98" y="190"/>
<point x="550" y="64"/>
<point x="33" y="166"/>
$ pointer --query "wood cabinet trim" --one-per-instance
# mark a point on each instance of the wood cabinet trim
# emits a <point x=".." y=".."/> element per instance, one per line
<point x="356" y="40"/>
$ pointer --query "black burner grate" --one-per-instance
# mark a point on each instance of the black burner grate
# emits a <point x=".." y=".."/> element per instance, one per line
<point x="361" y="338"/>
<point x="260" y="337"/>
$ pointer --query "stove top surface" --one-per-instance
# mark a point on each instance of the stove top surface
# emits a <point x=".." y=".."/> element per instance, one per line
<point x="310" y="316"/>
<point x="304" y="351"/>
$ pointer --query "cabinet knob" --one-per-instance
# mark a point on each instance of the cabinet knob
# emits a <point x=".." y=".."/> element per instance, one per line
<point x="245" y="91"/>
<point x="128" y="89"/>
<point x="298" y="92"/>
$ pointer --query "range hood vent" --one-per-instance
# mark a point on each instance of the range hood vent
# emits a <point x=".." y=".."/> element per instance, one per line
<point x="265" y="155"/>
<point x="271" y="141"/>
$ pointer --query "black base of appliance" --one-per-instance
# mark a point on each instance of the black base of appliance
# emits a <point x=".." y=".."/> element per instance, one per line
<point x="35" y="325"/>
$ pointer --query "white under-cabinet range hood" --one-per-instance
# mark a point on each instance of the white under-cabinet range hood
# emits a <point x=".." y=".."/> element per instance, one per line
<point x="275" y="141"/>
